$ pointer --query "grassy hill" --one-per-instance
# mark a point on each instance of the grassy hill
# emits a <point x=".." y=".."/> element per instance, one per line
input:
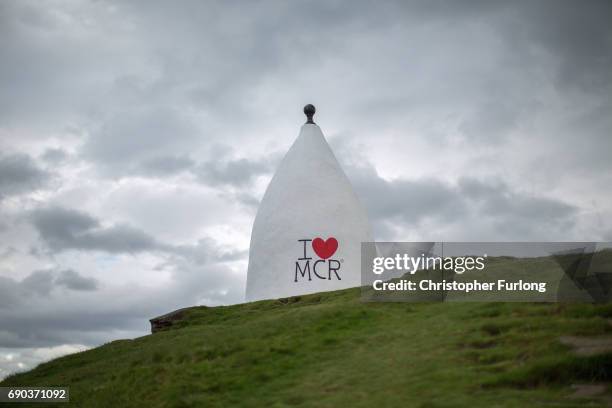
<point x="332" y="350"/>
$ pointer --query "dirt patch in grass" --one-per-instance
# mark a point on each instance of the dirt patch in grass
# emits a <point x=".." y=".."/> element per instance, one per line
<point x="482" y="344"/>
<point x="561" y="370"/>
<point x="588" y="390"/>
<point x="588" y="346"/>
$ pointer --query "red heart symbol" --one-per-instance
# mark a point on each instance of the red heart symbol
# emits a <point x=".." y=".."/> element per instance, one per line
<point x="325" y="249"/>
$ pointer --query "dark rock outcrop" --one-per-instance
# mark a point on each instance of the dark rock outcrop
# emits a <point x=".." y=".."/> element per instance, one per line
<point x="164" y="322"/>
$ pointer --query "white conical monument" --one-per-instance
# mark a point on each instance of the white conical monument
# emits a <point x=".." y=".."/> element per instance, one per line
<point x="310" y="224"/>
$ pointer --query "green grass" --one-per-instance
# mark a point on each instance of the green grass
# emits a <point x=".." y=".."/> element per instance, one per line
<point x="330" y="350"/>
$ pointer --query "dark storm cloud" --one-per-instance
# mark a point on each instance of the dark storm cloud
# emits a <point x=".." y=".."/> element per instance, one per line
<point x="67" y="327"/>
<point x="212" y="55"/>
<point x="30" y="319"/>
<point x="75" y="281"/>
<point x="518" y="215"/>
<point x="239" y="172"/>
<point x="154" y="139"/>
<point x="19" y="173"/>
<point x="63" y="229"/>
<point x="491" y="121"/>
<point x="209" y="58"/>
<point x="409" y="203"/>
<point x="412" y="199"/>
<point x="497" y="199"/>
<point x="67" y="229"/>
<point x="46" y="308"/>
<point x="40" y="284"/>
<point x="579" y="38"/>
<point x="54" y="155"/>
<point x="157" y="142"/>
<point x="529" y="57"/>
<point x="8" y="293"/>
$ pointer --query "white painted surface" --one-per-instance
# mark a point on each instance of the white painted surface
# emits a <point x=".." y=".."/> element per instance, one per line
<point x="308" y="197"/>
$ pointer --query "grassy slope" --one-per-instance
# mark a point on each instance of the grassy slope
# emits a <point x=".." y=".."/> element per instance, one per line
<point x="331" y="349"/>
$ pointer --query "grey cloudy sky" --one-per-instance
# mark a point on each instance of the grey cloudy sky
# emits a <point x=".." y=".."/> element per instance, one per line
<point x="137" y="137"/>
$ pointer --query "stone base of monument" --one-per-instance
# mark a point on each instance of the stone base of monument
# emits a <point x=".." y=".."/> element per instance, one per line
<point x="169" y="320"/>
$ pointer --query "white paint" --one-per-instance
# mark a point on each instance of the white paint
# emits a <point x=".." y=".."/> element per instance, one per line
<point x="308" y="197"/>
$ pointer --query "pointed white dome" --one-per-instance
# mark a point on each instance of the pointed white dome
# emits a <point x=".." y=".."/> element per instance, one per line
<point x="309" y="197"/>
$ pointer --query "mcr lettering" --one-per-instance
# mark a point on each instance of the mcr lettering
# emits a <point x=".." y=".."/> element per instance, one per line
<point x="322" y="268"/>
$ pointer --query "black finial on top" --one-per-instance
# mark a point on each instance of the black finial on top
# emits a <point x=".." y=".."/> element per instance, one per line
<point x="309" y="110"/>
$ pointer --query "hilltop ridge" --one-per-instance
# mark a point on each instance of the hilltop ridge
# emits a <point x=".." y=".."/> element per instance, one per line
<point x="331" y="349"/>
